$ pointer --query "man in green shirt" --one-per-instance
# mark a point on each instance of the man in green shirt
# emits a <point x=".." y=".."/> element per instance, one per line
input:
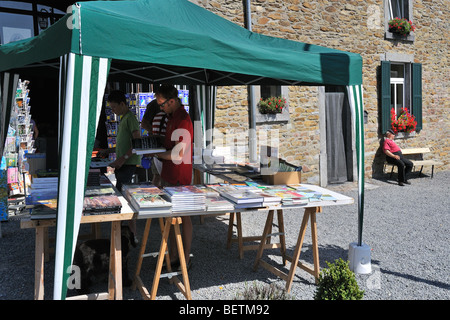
<point x="125" y="163"/>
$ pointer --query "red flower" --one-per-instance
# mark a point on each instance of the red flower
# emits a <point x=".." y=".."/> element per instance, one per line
<point x="405" y="121"/>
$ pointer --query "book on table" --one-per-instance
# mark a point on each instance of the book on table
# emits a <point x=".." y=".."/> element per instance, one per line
<point x="207" y="190"/>
<point x="218" y="203"/>
<point x="312" y="195"/>
<point x="186" y="198"/>
<point x="42" y="189"/>
<point x="44" y="209"/>
<point x="248" y="205"/>
<point x="99" y="190"/>
<point x="142" y="188"/>
<point x="327" y="197"/>
<point x="151" y="204"/>
<point x="270" y="199"/>
<point x="239" y="195"/>
<point x="288" y="195"/>
<point x="147" y="199"/>
<point x="101" y="204"/>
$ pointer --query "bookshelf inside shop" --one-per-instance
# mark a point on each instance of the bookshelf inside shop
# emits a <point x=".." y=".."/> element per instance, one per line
<point x="137" y="103"/>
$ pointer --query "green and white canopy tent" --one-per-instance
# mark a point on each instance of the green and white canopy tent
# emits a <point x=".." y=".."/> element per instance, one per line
<point x="172" y="41"/>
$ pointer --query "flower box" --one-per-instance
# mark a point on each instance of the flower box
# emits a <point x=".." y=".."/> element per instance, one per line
<point x="404" y="123"/>
<point x="402" y="27"/>
<point x="271" y="105"/>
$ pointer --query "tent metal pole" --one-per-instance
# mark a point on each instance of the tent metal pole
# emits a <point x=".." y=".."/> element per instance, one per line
<point x="252" y="141"/>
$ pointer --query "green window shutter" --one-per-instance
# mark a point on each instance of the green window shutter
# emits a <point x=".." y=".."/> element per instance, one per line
<point x="417" y="93"/>
<point x="385" y="96"/>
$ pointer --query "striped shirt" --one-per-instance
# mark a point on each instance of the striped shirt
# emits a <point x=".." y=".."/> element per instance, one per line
<point x="157" y="128"/>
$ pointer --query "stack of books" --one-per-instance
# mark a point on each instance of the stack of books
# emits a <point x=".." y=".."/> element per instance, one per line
<point x="214" y="202"/>
<point x="93" y="177"/>
<point x="101" y="204"/>
<point x="98" y="191"/>
<point x="240" y="196"/>
<point x="186" y="198"/>
<point x="218" y="203"/>
<point x="312" y="195"/>
<point x="44" y="209"/>
<point x="42" y="189"/>
<point x="288" y="196"/>
<point x="270" y="199"/>
<point x="101" y="200"/>
<point x="148" y="200"/>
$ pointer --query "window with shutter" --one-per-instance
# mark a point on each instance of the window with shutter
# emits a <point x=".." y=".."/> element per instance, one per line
<point x="401" y="87"/>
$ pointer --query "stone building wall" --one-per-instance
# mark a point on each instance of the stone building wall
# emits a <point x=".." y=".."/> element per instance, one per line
<point x="356" y="26"/>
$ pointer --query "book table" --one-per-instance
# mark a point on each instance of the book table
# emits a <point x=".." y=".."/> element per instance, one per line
<point x="174" y="220"/>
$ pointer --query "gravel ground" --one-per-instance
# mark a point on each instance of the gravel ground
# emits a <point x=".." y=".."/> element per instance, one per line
<point x="407" y="228"/>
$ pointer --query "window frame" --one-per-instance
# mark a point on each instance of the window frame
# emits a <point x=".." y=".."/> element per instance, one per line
<point x="412" y="88"/>
<point x="272" y="118"/>
<point x="406" y="82"/>
<point x="387" y="17"/>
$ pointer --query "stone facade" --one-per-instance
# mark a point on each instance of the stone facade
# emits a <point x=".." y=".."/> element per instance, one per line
<point x="356" y="26"/>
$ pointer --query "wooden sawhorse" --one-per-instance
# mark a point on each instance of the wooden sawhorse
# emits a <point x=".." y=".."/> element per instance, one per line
<point x="240" y="239"/>
<point x="115" y="263"/>
<point x="310" y="214"/>
<point x="184" y="287"/>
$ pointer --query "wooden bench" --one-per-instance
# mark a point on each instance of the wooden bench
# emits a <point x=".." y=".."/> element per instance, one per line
<point x="419" y="161"/>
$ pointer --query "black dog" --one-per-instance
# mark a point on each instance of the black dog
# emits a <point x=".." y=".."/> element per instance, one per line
<point x="92" y="257"/>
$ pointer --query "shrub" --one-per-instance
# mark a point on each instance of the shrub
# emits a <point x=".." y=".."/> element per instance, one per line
<point x="337" y="282"/>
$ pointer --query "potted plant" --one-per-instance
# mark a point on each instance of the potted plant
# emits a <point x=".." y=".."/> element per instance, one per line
<point x="404" y="123"/>
<point x="271" y="105"/>
<point x="401" y="26"/>
<point x="337" y="282"/>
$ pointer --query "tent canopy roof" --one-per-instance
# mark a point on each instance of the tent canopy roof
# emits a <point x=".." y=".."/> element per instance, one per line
<point x="177" y="41"/>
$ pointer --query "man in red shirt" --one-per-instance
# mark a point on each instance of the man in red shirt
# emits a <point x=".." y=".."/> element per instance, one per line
<point x="394" y="156"/>
<point x="177" y="160"/>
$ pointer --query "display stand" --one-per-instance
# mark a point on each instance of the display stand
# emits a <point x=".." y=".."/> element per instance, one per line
<point x="19" y="142"/>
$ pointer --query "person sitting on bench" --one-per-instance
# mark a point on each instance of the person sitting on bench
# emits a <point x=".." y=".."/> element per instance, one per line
<point x="394" y="156"/>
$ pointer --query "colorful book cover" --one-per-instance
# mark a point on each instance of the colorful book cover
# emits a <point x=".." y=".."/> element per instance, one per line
<point x="188" y="190"/>
<point x="144" y="200"/>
